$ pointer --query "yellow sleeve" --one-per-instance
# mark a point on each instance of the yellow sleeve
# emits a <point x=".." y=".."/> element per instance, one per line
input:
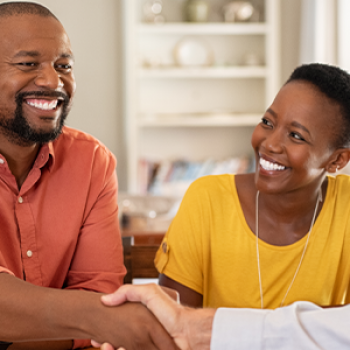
<point x="180" y="256"/>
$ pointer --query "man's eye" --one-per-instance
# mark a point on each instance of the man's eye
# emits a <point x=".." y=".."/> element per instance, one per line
<point x="65" y="67"/>
<point x="27" y="64"/>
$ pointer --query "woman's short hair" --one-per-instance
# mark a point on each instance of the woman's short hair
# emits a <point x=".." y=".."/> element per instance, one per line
<point x="334" y="82"/>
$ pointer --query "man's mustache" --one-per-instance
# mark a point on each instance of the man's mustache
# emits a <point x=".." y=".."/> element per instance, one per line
<point x="37" y="94"/>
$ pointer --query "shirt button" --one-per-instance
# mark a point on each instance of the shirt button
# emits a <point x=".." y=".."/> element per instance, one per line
<point x="29" y="253"/>
<point x="2" y="161"/>
<point x="20" y="200"/>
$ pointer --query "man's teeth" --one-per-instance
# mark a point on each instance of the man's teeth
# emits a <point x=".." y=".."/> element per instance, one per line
<point x="270" y="166"/>
<point x="45" y="106"/>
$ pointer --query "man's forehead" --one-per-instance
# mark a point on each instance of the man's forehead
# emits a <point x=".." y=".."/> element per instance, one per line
<point x="27" y="30"/>
<point x="31" y="23"/>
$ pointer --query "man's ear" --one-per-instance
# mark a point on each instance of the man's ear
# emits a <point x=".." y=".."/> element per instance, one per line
<point x="340" y="159"/>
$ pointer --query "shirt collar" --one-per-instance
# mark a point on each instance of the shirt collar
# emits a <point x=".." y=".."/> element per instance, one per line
<point x="46" y="155"/>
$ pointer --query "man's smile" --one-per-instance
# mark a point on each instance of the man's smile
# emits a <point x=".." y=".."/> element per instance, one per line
<point x="43" y="104"/>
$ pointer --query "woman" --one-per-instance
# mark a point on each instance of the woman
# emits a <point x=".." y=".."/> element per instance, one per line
<point x="267" y="239"/>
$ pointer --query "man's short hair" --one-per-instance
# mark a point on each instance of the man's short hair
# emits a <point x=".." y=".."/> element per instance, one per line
<point x="333" y="82"/>
<point x="17" y="8"/>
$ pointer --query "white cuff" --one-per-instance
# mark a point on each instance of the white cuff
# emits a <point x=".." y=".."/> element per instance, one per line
<point x="240" y="329"/>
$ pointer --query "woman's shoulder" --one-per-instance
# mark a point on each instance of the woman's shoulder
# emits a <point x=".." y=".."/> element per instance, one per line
<point x="338" y="188"/>
<point x="341" y="182"/>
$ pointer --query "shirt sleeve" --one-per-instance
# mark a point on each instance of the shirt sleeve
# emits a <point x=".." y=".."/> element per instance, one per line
<point x="180" y="256"/>
<point x="97" y="264"/>
<point x="5" y="270"/>
<point x="301" y="325"/>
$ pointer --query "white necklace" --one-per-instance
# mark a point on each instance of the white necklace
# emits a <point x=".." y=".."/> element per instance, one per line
<point x="319" y="199"/>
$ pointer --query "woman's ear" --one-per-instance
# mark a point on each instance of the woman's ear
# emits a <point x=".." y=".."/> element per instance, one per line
<point x="340" y="158"/>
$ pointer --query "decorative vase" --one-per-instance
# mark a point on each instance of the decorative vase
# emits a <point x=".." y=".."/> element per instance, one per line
<point x="196" y="11"/>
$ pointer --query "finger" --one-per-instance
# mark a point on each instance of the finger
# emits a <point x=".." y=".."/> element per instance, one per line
<point x="95" y="344"/>
<point x="116" y="298"/>
<point x="144" y="294"/>
<point x="106" y="346"/>
<point x="173" y="294"/>
<point x="154" y="298"/>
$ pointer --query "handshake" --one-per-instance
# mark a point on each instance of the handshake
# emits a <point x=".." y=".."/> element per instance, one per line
<point x="157" y="321"/>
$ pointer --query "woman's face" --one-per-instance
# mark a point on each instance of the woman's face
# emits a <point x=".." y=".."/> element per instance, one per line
<point x="293" y="141"/>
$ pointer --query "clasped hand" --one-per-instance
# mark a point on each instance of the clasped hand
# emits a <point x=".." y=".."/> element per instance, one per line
<point x="146" y="333"/>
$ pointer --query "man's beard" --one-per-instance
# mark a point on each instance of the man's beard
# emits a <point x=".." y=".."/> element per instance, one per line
<point x="20" y="132"/>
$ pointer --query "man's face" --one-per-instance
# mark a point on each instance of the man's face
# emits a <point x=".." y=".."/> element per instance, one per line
<point x="36" y="79"/>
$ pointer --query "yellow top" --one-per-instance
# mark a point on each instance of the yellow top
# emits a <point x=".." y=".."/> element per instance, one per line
<point x="210" y="249"/>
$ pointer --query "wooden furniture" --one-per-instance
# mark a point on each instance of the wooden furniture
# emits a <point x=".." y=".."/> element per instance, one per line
<point x="139" y="258"/>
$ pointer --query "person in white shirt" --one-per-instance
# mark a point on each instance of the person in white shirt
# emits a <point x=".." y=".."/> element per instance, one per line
<point x="302" y="325"/>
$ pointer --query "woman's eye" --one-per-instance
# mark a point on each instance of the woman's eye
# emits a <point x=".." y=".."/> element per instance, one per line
<point x="296" y="136"/>
<point x="265" y="121"/>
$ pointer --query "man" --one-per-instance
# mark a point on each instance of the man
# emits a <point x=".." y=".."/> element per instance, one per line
<point x="301" y="325"/>
<point x="58" y="199"/>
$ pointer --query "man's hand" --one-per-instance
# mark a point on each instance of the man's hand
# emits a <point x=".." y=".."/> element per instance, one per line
<point x="136" y="328"/>
<point x="191" y="329"/>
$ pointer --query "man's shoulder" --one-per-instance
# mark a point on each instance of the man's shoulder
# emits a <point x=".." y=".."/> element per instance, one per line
<point x="78" y="143"/>
<point x="71" y="134"/>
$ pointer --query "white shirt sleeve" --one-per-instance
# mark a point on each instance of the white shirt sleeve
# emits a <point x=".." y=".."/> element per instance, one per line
<point x="301" y="325"/>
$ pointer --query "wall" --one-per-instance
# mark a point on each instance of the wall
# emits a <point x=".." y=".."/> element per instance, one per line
<point x="95" y="32"/>
<point x="290" y="36"/>
<point x="95" y="29"/>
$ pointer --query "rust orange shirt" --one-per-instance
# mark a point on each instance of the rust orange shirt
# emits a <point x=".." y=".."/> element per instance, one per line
<point x="61" y="228"/>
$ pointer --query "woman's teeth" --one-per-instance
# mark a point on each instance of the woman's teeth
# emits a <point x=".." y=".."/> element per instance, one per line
<point x="265" y="164"/>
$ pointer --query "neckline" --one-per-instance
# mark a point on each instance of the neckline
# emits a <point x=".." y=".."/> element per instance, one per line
<point x="295" y="245"/>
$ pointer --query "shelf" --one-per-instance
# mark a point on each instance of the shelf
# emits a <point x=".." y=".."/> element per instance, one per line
<point x="205" y="72"/>
<point x="204" y="29"/>
<point x="198" y="120"/>
<point x="173" y="110"/>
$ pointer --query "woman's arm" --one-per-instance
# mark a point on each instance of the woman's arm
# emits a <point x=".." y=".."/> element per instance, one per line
<point x="188" y="296"/>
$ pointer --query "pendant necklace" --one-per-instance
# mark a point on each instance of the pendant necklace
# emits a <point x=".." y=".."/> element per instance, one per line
<point x="319" y="199"/>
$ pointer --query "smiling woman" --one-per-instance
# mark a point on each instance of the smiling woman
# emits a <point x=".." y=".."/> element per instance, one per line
<point x="281" y="234"/>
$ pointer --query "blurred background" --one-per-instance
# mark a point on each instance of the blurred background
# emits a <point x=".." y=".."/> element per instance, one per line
<point x="174" y="87"/>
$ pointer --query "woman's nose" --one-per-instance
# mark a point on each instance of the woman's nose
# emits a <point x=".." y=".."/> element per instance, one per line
<point x="274" y="141"/>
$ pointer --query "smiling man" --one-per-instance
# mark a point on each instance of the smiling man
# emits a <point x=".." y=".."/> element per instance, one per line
<point x="58" y="199"/>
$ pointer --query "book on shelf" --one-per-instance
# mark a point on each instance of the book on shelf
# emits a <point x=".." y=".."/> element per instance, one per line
<point x="172" y="177"/>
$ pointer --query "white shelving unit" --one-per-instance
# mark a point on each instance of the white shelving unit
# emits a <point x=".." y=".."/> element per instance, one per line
<point x="195" y="112"/>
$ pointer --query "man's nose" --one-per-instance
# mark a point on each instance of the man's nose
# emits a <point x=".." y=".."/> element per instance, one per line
<point x="48" y="78"/>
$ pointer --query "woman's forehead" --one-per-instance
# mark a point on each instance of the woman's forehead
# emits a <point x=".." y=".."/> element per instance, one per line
<point x="304" y="103"/>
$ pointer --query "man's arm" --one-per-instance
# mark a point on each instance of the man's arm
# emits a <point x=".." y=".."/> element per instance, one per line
<point x="301" y="325"/>
<point x="32" y="313"/>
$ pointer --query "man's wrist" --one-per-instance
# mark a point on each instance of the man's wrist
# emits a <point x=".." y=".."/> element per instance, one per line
<point x="199" y="324"/>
